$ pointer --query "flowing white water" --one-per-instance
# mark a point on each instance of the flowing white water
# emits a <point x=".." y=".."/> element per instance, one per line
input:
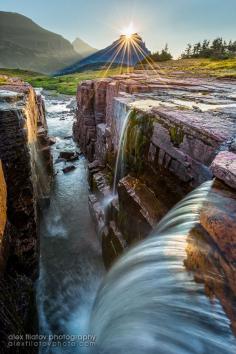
<point x="71" y="266"/>
<point x="119" y="166"/>
<point x="149" y="303"/>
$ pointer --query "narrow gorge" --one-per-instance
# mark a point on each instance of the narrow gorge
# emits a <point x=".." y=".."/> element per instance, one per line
<point x="99" y="234"/>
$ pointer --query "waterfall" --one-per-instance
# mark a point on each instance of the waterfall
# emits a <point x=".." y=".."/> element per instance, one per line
<point x="120" y="165"/>
<point x="149" y="303"/>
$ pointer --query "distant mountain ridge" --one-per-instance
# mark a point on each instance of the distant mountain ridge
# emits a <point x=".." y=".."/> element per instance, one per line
<point x="25" y="45"/>
<point x="83" y="48"/>
<point x="116" y="53"/>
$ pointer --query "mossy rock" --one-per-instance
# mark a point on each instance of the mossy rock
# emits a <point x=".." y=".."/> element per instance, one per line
<point x="176" y="135"/>
<point x="136" y="141"/>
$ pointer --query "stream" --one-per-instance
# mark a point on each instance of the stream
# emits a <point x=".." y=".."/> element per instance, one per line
<point x="71" y="266"/>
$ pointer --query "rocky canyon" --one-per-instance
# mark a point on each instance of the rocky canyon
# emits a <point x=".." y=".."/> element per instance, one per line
<point x="140" y="145"/>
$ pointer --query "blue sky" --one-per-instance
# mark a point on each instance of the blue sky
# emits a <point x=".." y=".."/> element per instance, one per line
<point x="99" y="22"/>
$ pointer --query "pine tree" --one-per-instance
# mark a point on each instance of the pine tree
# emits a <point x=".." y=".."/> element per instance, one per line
<point x="217" y="49"/>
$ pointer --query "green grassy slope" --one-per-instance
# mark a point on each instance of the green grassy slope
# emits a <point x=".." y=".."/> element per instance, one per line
<point x="63" y="84"/>
<point x="181" y="68"/>
<point x="199" y="68"/>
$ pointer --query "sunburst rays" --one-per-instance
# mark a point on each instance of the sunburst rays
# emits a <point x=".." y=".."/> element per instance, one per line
<point x="123" y="53"/>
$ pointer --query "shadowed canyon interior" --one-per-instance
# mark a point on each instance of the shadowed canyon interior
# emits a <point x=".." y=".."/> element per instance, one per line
<point x="92" y="178"/>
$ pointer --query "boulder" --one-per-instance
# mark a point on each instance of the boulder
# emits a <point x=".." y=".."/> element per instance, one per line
<point x="68" y="168"/>
<point x="51" y="140"/>
<point x="68" y="155"/>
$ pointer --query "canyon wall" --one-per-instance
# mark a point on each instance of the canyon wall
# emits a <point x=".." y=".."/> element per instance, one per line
<point x="179" y="133"/>
<point x="25" y="176"/>
<point x="3" y="217"/>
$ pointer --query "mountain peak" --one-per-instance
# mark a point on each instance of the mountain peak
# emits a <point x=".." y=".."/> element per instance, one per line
<point x="83" y="48"/>
<point x="25" y="45"/>
<point x="125" y="51"/>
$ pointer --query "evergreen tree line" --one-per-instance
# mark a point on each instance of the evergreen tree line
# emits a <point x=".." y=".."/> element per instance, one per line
<point x="163" y="55"/>
<point x="218" y="49"/>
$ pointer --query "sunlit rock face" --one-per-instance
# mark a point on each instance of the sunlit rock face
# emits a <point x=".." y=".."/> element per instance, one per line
<point x="25" y="174"/>
<point x="3" y="215"/>
<point x="23" y="150"/>
<point x="180" y="134"/>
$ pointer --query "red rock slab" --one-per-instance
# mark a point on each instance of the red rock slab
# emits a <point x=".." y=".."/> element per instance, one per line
<point x="224" y="167"/>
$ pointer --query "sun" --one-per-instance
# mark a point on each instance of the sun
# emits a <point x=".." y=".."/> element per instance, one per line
<point x="128" y="31"/>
